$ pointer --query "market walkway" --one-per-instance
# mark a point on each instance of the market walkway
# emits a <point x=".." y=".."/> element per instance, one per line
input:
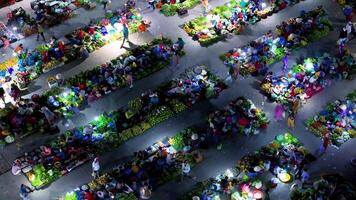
<point x="246" y="87"/>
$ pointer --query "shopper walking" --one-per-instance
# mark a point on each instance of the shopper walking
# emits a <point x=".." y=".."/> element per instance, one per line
<point x="125" y="32"/>
<point x="40" y="32"/>
<point x="105" y="3"/>
<point x="152" y="4"/>
<point x="96" y="167"/>
<point x="25" y="191"/>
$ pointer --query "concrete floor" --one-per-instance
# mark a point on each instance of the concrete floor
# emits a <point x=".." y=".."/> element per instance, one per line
<point x="335" y="160"/>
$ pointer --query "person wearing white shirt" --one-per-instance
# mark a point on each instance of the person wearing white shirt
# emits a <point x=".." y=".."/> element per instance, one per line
<point x="96" y="167"/>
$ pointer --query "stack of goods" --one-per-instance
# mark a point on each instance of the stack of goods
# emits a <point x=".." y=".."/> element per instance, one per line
<point x="171" y="7"/>
<point x="110" y="130"/>
<point x="86" y="87"/>
<point x="268" y="49"/>
<point x="329" y="186"/>
<point x="230" y="18"/>
<point x="241" y="116"/>
<point x="249" y="179"/>
<point x="338" y="120"/>
<point x="307" y="79"/>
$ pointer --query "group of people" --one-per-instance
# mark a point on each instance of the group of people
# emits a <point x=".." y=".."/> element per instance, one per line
<point x="239" y="117"/>
<point x="146" y="170"/>
<point x="254" y="58"/>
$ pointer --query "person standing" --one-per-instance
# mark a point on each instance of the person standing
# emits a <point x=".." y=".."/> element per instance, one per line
<point x="326" y="142"/>
<point x="348" y="13"/>
<point x="305" y="176"/>
<point x="25" y="191"/>
<point x="125" y="32"/>
<point x="2" y="95"/>
<point x="285" y="61"/>
<point x="278" y="112"/>
<point x="40" y="32"/>
<point x="180" y="43"/>
<point x="6" y="44"/>
<point x="96" y="167"/>
<point x="105" y="3"/>
<point x="291" y="120"/>
<point x="185" y="170"/>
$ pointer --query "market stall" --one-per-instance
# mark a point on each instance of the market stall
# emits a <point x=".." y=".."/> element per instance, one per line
<point x="251" y="179"/>
<point x="31" y="64"/>
<point x="272" y="47"/>
<point x="305" y="80"/>
<point x="329" y="186"/>
<point x="7" y="34"/>
<point x="338" y="120"/>
<point x="21" y="21"/>
<point x="172" y="7"/>
<point x="228" y="19"/>
<point x="240" y="116"/>
<point x="89" y="86"/>
<point x="53" y="12"/>
<point x="112" y="129"/>
<point x="155" y="165"/>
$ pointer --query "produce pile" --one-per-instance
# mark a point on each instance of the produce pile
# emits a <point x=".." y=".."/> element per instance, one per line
<point x="157" y="164"/>
<point x="170" y="8"/>
<point x="337" y="119"/>
<point x="247" y="179"/>
<point x="31" y="64"/>
<point x="307" y="79"/>
<point x="229" y="18"/>
<point x="241" y="116"/>
<point x="329" y="186"/>
<point x="268" y="49"/>
<point x="84" y="88"/>
<point x="109" y="130"/>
